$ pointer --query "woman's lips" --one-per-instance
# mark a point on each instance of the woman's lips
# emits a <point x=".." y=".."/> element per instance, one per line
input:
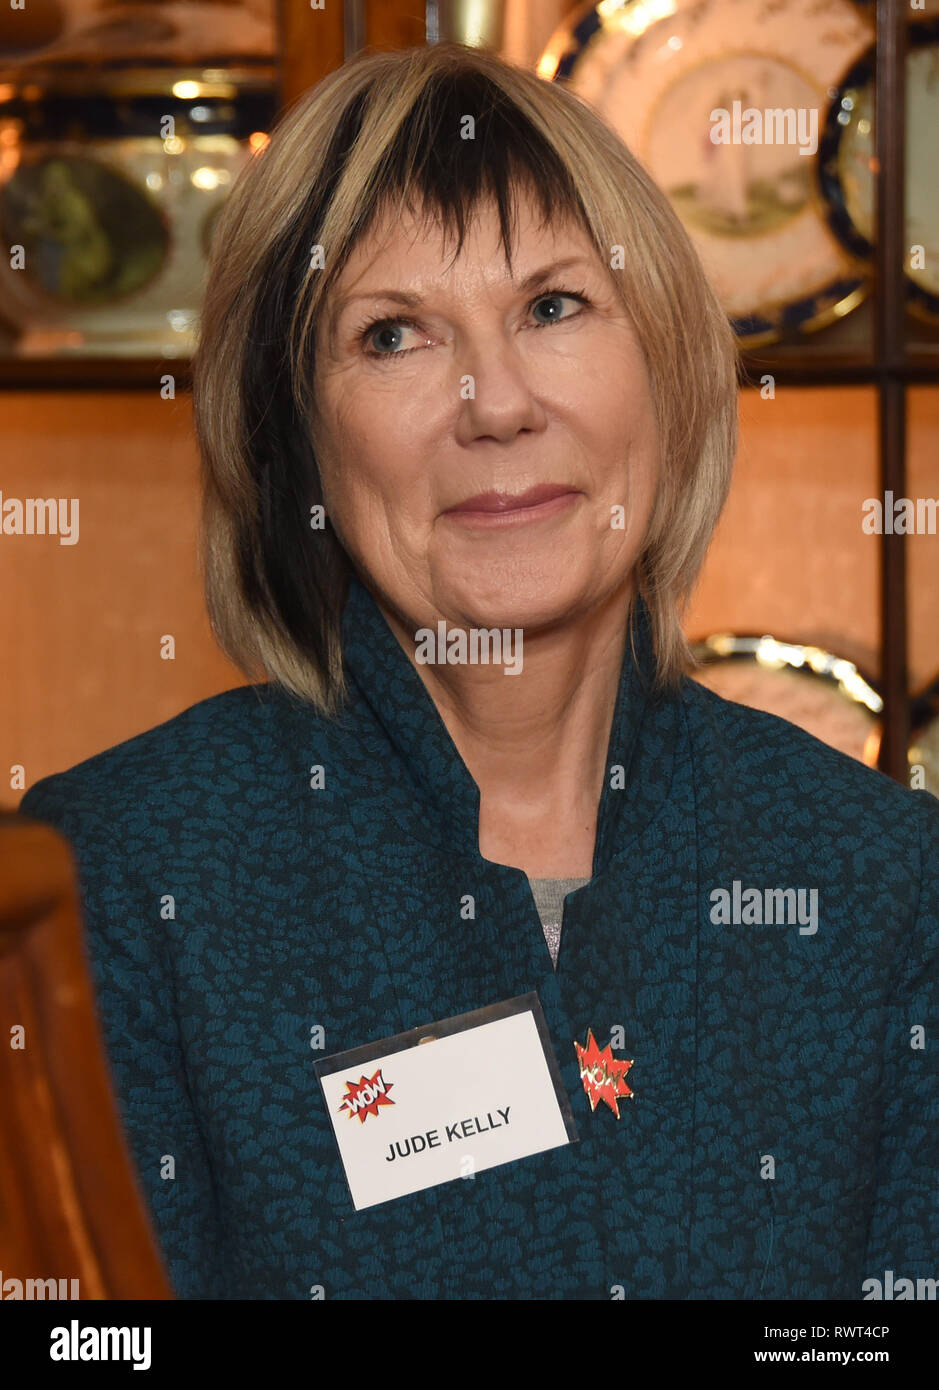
<point x="501" y="509"/>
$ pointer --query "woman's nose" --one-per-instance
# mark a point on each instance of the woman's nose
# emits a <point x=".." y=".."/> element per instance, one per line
<point x="495" y="382"/>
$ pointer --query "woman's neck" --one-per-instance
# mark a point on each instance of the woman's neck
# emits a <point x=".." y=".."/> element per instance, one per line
<point x="536" y="743"/>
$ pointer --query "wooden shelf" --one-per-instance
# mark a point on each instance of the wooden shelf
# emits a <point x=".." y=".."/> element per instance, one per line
<point x="93" y="373"/>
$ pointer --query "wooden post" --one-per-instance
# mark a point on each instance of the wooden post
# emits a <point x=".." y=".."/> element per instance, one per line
<point x="395" y="23"/>
<point x="310" y="44"/>
<point x="890" y="358"/>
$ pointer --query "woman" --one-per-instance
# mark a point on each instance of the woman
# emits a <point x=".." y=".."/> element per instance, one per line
<point x="461" y="377"/>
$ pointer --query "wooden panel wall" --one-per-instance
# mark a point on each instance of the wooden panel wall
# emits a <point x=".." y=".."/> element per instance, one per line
<point x="81" y="625"/>
<point x="789" y="556"/>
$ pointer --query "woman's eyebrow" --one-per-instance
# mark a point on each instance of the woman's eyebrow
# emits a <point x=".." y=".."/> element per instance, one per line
<point x="413" y="301"/>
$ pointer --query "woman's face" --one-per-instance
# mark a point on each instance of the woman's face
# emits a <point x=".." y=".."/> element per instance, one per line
<point x="438" y="383"/>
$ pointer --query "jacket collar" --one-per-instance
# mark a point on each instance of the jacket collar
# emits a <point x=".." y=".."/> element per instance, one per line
<point x="640" y="750"/>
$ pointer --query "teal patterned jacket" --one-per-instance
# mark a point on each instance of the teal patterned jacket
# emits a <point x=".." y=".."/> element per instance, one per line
<point x="782" y="1138"/>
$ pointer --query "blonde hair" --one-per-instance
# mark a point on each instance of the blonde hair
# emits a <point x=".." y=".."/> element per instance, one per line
<point x="383" y="131"/>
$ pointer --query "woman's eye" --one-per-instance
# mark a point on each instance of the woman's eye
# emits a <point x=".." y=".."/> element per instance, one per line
<point x="554" y="302"/>
<point x="384" y="339"/>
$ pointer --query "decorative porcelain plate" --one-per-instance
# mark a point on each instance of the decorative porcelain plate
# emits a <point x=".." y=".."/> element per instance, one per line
<point x="724" y="101"/>
<point x="820" y="692"/>
<point x="848" y="160"/>
<point x="114" y="217"/>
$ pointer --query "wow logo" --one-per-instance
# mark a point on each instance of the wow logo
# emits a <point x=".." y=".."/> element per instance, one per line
<point x="363" y="1097"/>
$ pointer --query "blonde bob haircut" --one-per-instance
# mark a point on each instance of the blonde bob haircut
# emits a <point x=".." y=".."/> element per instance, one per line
<point x="383" y="132"/>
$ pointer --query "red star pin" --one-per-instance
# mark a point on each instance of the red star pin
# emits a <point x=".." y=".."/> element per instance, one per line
<point x="603" y="1075"/>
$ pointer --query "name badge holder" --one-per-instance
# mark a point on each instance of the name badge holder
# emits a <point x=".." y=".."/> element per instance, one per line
<point x="446" y="1100"/>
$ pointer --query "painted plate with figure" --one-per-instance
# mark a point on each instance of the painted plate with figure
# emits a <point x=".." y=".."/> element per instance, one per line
<point x="723" y="102"/>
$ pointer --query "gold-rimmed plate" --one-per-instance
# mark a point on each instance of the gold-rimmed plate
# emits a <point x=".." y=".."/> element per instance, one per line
<point x="847" y="161"/>
<point x="821" y="692"/>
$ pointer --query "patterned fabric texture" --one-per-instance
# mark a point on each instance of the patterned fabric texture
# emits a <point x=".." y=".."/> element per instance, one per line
<point x="782" y="1137"/>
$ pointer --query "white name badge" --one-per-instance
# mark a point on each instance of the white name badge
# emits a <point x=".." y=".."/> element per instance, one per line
<point x="446" y="1101"/>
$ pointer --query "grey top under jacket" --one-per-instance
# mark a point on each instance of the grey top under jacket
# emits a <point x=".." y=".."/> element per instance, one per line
<point x="549" y="895"/>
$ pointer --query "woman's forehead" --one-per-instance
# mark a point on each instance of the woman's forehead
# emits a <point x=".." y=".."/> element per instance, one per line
<point x="405" y="236"/>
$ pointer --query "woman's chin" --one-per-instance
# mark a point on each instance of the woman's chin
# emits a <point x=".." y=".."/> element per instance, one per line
<point x="538" y="603"/>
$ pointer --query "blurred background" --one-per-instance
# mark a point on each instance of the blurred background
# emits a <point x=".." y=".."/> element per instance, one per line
<point x="122" y="127"/>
